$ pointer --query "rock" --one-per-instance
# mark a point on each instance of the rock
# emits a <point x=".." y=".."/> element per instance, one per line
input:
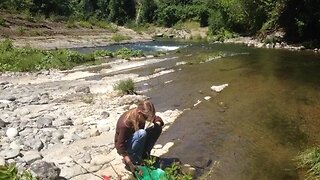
<point x="31" y="156"/>
<point x="57" y="134"/>
<point x="219" y="88"/>
<point x="15" y="145"/>
<point x="157" y="146"/>
<point x="45" y="121"/>
<point x="82" y="89"/>
<point x="22" y="112"/>
<point x="207" y="98"/>
<point x="101" y="159"/>
<point x="3" y="123"/>
<point x="10" y="153"/>
<point x="11" y="98"/>
<point x="69" y="172"/>
<point x="11" y="133"/>
<point x="187" y="169"/>
<point x="65" y="121"/>
<point x="2" y="161"/>
<point x="104" y="114"/>
<point x="4" y="83"/>
<point x="34" y="143"/>
<point x="44" y="170"/>
<point x="94" y="132"/>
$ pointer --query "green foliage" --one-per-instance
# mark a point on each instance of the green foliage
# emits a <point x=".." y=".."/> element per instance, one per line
<point x="103" y="53"/>
<point x="11" y="172"/>
<point x="2" y="21"/>
<point x="174" y="173"/>
<point x="126" y="53"/>
<point x="29" y="59"/>
<point x="148" y="11"/>
<point x="119" y="37"/>
<point x="85" y="24"/>
<point x="310" y="160"/>
<point x="125" y="86"/>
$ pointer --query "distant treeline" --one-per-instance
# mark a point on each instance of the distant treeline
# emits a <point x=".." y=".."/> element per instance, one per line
<point x="300" y="19"/>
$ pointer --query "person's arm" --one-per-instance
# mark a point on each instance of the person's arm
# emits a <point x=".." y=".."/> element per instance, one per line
<point x="121" y="149"/>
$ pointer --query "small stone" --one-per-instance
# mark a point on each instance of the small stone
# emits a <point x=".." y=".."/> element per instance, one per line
<point x="10" y="153"/>
<point x="12" y="133"/>
<point x="14" y="145"/>
<point x="57" y="134"/>
<point x="94" y="132"/>
<point x="31" y="156"/>
<point x="207" y="98"/>
<point x="81" y="89"/>
<point x="11" y="98"/>
<point x="104" y="114"/>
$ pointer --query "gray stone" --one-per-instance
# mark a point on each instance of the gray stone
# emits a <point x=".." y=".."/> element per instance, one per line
<point x="3" y="123"/>
<point x="22" y="112"/>
<point x="44" y="170"/>
<point x="31" y="156"/>
<point x="35" y="143"/>
<point x="25" y="132"/>
<point x="82" y="89"/>
<point x="45" y="121"/>
<point x="105" y="114"/>
<point x="10" y="153"/>
<point x="11" y="98"/>
<point x="65" y="121"/>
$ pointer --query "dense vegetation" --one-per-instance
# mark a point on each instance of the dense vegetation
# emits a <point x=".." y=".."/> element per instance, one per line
<point x="310" y="160"/>
<point x="30" y="59"/>
<point x="298" y="18"/>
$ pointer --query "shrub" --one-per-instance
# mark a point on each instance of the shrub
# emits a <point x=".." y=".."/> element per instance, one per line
<point x="125" y="86"/>
<point x="11" y="172"/>
<point x="310" y="160"/>
<point x="119" y="37"/>
<point x="126" y="53"/>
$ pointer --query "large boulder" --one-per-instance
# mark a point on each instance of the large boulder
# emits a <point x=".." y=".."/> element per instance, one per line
<point x="44" y="170"/>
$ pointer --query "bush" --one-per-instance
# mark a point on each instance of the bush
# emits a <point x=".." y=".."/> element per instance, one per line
<point x="125" y="86"/>
<point x="310" y="160"/>
<point x="119" y="37"/>
<point x="11" y="172"/>
<point x="126" y="53"/>
<point x="2" y="21"/>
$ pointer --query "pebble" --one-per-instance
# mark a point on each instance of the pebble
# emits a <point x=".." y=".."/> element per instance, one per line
<point x="11" y="133"/>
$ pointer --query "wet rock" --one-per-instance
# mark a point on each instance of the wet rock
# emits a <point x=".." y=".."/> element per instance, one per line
<point x="11" y="133"/>
<point x="219" y="88"/>
<point x="31" y="156"/>
<point x="44" y="170"/>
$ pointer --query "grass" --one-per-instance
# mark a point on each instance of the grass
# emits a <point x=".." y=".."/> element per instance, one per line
<point x="310" y="161"/>
<point x="30" y="59"/>
<point x="118" y="37"/>
<point x="11" y="172"/>
<point x="125" y="86"/>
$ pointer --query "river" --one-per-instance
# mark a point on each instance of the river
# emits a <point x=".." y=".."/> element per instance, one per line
<point x="256" y="126"/>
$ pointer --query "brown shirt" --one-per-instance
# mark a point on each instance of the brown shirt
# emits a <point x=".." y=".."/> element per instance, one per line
<point x="124" y="130"/>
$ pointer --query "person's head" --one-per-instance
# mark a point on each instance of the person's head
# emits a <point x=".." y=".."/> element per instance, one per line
<point x="145" y="111"/>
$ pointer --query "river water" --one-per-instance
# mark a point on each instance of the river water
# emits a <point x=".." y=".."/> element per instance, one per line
<point x="256" y="126"/>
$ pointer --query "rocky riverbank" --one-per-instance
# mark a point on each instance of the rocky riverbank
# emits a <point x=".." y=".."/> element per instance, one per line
<point x="66" y="123"/>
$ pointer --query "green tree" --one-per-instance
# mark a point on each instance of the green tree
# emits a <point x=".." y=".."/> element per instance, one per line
<point x="148" y="11"/>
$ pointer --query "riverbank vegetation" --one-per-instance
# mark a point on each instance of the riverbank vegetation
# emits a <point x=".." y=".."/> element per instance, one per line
<point x="298" y="20"/>
<point x="310" y="161"/>
<point x="31" y="59"/>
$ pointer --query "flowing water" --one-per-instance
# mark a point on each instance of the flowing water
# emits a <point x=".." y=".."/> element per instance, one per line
<point x="256" y="126"/>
